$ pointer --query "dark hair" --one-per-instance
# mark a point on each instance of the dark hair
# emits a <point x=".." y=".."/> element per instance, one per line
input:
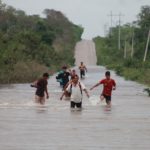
<point x="75" y="76"/>
<point x="45" y="74"/>
<point x="64" y="67"/>
<point x="107" y="73"/>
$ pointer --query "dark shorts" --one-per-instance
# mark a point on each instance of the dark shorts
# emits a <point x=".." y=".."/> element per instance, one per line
<point x="39" y="93"/>
<point x="108" y="98"/>
<point x="82" y="73"/>
<point x="78" y="105"/>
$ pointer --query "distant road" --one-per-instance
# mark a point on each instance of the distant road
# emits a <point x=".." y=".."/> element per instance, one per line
<point x="85" y="51"/>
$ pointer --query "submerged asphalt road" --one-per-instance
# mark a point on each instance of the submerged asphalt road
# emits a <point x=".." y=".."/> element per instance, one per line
<point x="26" y="126"/>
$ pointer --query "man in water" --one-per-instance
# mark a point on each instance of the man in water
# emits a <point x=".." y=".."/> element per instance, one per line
<point x="75" y="88"/>
<point x="73" y="73"/>
<point x="108" y="85"/>
<point x="41" y="89"/>
<point x="82" y="68"/>
<point x="64" y="76"/>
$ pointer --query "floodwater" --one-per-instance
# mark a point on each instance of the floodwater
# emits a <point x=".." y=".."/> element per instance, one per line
<point x="27" y="126"/>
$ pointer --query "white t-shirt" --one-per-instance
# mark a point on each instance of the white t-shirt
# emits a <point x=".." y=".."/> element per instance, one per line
<point x="76" y="95"/>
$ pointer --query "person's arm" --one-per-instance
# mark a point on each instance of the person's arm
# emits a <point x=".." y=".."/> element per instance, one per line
<point x="64" y="91"/>
<point x="67" y="85"/>
<point x="114" y="85"/>
<point x="82" y="86"/>
<point x="114" y="88"/>
<point x="46" y="91"/>
<point x="34" y="84"/>
<point x="85" y="68"/>
<point x="87" y="94"/>
<point x="62" y="95"/>
<point x="95" y="86"/>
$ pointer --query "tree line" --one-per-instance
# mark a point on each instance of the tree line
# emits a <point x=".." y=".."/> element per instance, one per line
<point x="130" y="60"/>
<point x="31" y="45"/>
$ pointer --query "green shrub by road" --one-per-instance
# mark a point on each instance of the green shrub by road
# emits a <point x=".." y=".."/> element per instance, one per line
<point x="132" y="67"/>
<point x="31" y="45"/>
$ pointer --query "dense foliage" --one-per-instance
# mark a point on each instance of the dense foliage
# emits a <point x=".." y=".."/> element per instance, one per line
<point x="30" y="45"/>
<point x="129" y="59"/>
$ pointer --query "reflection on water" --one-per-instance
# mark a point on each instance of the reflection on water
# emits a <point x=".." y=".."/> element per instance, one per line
<point x="41" y="109"/>
<point x="24" y="125"/>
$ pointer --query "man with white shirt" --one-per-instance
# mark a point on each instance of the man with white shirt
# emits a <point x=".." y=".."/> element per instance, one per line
<point x="75" y="88"/>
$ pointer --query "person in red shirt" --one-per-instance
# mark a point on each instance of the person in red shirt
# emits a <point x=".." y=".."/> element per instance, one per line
<point x="108" y="85"/>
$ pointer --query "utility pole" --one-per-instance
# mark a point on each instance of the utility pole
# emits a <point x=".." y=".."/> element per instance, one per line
<point x="119" y="34"/>
<point x="119" y="31"/>
<point x="119" y="27"/>
<point x="125" y="49"/>
<point x="132" y="49"/>
<point x="146" y="49"/>
<point x="105" y="29"/>
<point x="111" y="20"/>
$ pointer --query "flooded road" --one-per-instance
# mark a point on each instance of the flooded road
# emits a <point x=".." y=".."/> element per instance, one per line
<point x="26" y="126"/>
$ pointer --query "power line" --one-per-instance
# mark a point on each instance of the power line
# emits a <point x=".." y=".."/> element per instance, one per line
<point x="111" y="15"/>
<point x="111" y="20"/>
<point x="119" y="30"/>
<point x="132" y="49"/>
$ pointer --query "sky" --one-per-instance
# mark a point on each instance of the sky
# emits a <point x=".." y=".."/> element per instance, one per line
<point x="92" y="15"/>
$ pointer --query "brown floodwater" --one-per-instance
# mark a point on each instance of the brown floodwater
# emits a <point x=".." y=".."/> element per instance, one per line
<point x="27" y="126"/>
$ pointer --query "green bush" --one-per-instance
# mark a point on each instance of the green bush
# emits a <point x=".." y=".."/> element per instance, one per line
<point x="46" y="42"/>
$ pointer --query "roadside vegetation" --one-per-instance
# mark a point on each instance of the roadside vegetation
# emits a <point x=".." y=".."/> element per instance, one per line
<point x="31" y="45"/>
<point x="128" y="61"/>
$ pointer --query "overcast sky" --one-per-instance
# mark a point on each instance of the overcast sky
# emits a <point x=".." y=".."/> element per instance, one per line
<point x="93" y="15"/>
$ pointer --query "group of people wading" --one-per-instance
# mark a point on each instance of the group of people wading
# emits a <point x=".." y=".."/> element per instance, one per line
<point x="72" y="87"/>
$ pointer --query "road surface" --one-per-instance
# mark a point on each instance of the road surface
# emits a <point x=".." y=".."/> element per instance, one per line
<point x="85" y="51"/>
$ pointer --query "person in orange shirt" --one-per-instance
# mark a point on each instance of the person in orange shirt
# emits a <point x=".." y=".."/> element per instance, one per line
<point x="108" y="85"/>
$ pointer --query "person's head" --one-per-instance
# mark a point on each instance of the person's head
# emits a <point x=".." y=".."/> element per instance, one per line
<point x="45" y="75"/>
<point x="75" y="79"/>
<point x="64" y="68"/>
<point x="81" y="63"/>
<point x="73" y="71"/>
<point x="107" y="74"/>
